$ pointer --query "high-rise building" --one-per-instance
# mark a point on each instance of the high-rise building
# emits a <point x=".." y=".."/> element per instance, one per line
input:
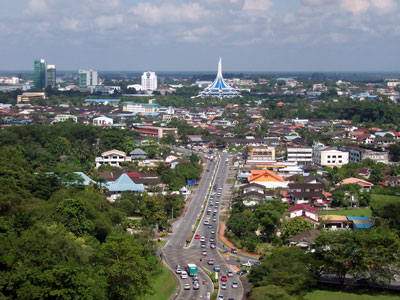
<point x="51" y="76"/>
<point x="149" y="81"/>
<point x="39" y="76"/>
<point x="88" y="78"/>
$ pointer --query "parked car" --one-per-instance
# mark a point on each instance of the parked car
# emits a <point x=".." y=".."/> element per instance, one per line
<point x="246" y="264"/>
<point x="234" y="250"/>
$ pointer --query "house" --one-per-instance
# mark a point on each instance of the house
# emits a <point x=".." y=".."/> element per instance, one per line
<point x="304" y="239"/>
<point x="267" y="178"/>
<point x="384" y="142"/>
<point x="103" y="121"/>
<point x="252" y="187"/>
<point x="113" y="158"/>
<point x="147" y="179"/>
<point x="171" y="157"/>
<point x="122" y="184"/>
<point x="306" y="193"/>
<point x="304" y="211"/>
<point x="334" y="222"/>
<point x="138" y="154"/>
<point x="64" y="118"/>
<point x="392" y="180"/>
<point x="365" y="185"/>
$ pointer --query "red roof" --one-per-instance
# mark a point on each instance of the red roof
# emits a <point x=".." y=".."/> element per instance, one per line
<point x="280" y="104"/>
<point x="133" y="175"/>
<point x="303" y="207"/>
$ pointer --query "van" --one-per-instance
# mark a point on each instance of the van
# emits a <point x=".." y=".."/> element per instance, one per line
<point x="184" y="275"/>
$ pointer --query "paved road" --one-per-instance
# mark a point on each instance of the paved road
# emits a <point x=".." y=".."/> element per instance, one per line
<point x="174" y="250"/>
<point x="220" y="188"/>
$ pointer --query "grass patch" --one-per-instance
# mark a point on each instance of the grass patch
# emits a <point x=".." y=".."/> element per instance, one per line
<point x="335" y="295"/>
<point x="376" y="197"/>
<point x="161" y="243"/>
<point x="164" y="285"/>
<point x="357" y="212"/>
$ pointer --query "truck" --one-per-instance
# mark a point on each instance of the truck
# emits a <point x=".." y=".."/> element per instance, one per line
<point x="191" y="269"/>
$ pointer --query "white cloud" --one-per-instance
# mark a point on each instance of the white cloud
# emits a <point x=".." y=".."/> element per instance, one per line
<point x="355" y="6"/>
<point x="384" y="6"/>
<point x="170" y="13"/>
<point x="71" y="24"/>
<point x="257" y="5"/>
<point x="38" y="6"/>
<point x="109" y="22"/>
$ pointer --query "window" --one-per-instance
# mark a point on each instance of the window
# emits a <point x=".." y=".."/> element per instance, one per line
<point x="339" y="156"/>
<point x="340" y="161"/>
<point x="329" y="156"/>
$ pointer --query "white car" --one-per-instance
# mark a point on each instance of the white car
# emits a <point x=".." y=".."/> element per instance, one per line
<point x="184" y="275"/>
<point x="223" y="285"/>
<point x="186" y="286"/>
<point x="246" y="264"/>
<point x="234" y="285"/>
<point x="206" y="222"/>
<point x="202" y="239"/>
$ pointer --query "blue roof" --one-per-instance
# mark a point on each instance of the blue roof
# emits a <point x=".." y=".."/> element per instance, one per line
<point x="124" y="183"/>
<point x="102" y="100"/>
<point x="358" y="218"/>
<point x="86" y="179"/>
<point x="363" y="226"/>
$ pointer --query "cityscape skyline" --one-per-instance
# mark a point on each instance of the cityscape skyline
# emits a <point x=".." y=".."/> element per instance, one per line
<point x="251" y="35"/>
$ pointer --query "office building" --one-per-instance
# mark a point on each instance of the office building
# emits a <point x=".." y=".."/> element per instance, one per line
<point x="260" y="154"/>
<point x="39" y="73"/>
<point x="88" y="78"/>
<point x="149" y="81"/>
<point x="51" y="76"/>
<point x="301" y="155"/>
<point x="329" y="157"/>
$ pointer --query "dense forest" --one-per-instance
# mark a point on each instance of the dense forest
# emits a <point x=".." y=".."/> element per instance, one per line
<point x="60" y="239"/>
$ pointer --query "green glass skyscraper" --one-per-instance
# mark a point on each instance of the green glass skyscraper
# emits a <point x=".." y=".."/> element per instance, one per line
<point x="39" y="76"/>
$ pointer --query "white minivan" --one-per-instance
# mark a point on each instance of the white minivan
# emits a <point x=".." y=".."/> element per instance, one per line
<point x="184" y="275"/>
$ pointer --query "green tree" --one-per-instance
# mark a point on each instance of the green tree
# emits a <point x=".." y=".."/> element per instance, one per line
<point x="71" y="213"/>
<point x="380" y="249"/>
<point x="286" y="268"/>
<point x="128" y="266"/>
<point x="337" y="249"/>
<point x="295" y="226"/>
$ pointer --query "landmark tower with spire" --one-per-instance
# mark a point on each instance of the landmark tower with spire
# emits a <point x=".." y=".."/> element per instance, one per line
<point x="219" y="88"/>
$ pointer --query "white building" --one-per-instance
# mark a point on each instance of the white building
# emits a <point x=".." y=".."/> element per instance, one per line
<point x="149" y="81"/>
<point x="302" y="156"/>
<point x="112" y="158"/>
<point x="330" y="157"/>
<point x="137" y="87"/>
<point x="88" y="78"/>
<point x="103" y="121"/>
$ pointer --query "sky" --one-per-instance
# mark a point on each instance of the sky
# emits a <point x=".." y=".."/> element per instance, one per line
<point x="179" y="35"/>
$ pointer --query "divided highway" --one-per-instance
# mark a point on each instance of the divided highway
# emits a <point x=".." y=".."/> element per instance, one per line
<point x="198" y="252"/>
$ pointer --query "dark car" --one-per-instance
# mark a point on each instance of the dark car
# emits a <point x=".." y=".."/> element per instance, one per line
<point x="242" y="272"/>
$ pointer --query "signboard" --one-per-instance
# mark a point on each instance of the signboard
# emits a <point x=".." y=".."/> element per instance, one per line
<point x="190" y="182"/>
